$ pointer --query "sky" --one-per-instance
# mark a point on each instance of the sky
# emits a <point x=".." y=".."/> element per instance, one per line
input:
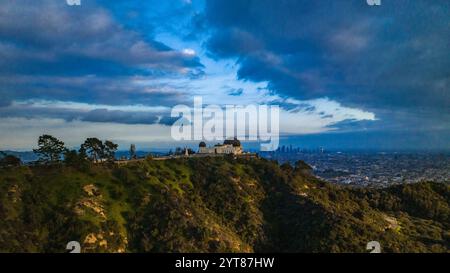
<point x="345" y="74"/>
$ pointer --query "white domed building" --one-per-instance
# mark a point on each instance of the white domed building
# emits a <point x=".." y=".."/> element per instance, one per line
<point x="229" y="146"/>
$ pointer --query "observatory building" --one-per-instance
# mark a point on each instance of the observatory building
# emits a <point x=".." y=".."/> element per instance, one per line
<point x="229" y="146"/>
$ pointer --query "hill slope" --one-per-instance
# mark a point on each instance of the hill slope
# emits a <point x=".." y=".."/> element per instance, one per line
<point x="213" y="205"/>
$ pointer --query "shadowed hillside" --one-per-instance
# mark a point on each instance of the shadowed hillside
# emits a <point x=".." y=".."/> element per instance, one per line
<point x="213" y="205"/>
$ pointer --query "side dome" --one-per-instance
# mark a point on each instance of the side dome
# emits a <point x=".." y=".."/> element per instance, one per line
<point x="202" y="144"/>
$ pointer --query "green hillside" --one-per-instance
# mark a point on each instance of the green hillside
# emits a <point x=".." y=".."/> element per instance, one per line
<point x="213" y="205"/>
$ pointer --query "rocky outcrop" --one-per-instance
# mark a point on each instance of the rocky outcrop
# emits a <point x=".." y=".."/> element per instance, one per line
<point x="92" y="203"/>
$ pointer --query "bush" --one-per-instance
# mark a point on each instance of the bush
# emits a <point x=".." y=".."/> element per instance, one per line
<point x="10" y="161"/>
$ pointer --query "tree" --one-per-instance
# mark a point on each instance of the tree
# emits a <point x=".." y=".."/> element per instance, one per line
<point x="110" y="150"/>
<point x="50" y="149"/>
<point x="76" y="160"/>
<point x="133" y="151"/>
<point x="287" y="167"/>
<point x="9" y="160"/>
<point x="93" y="148"/>
<point x="301" y="165"/>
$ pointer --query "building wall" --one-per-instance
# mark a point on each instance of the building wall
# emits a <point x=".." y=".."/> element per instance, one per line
<point x="224" y="149"/>
<point x="205" y="150"/>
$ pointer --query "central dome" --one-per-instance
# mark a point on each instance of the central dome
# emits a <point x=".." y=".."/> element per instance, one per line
<point x="235" y="142"/>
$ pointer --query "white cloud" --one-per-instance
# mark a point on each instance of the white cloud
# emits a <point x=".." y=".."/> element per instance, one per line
<point x="189" y="52"/>
<point x="89" y="107"/>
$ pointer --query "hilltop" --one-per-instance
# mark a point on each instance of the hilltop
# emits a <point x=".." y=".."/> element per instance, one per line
<point x="216" y="204"/>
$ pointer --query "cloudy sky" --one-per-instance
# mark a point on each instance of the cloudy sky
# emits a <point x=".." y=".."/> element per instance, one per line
<point x="346" y="74"/>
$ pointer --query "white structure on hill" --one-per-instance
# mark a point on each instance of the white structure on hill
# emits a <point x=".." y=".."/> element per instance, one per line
<point x="229" y="146"/>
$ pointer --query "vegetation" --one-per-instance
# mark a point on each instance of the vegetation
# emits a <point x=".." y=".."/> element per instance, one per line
<point x="9" y="160"/>
<point x="50" y="149"/>
<point x="93" y="148"/>
<point x="216" y="204"/>
<point x="110" y="149"/>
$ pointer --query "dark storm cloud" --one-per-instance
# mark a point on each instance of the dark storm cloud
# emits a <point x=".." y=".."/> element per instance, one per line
<point x="4" y="101"/>
<point x="388" y="57"/>
<point x="401" y="121"/>
<point x="104" y="115"/>
<point x="118" y="90"/>
<point x="31" y="111"/>
<point x="52" y="51"/>
<point x="167" y="120"/>
<point x="127" y="117"/>
<point x="177" y="17"/>
<point x="52" y="33"/>
<point x="236" y="92"/>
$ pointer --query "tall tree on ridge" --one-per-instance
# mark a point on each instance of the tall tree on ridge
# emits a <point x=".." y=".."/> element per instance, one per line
<point x="50" y="149"/>
<point x="93" y="148"/>
<point x="110" y="150"/>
